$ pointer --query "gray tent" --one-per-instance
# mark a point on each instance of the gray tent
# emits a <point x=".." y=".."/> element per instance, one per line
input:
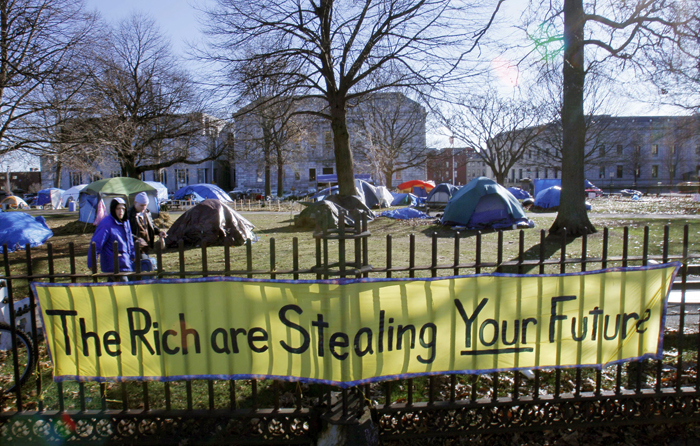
<point x="211" y="221"/>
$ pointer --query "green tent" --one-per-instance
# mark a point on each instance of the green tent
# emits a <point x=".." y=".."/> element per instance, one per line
<point x="483" y="204"/>
<point x="108" y="189"/>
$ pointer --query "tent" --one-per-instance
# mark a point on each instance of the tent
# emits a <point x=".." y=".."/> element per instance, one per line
<point x="14" y="202"/>
<point x="404" y="199"/>
<point x="483" y="203"/>
<point x="204" y="190"/>
<point x="72" y="194"/>
<point x="438" y="197"/>
<point x="542" y="184"/>
<point x="18" y="228"/>
<point x="385" y="197"/>
<point x="518" y="193"/>
<point x="404" y="214"/>
<point x="213" y="222"/>
<point x="325" y="192"/>
<point x="108" y="189"/>
<point x="368" y="193"/>
<point x="162" y="190"/>
<point x="324" y="213"/>
<point x="49" y="197"/>
<point x="409" y="186"/>
<point x="549" y="198"/>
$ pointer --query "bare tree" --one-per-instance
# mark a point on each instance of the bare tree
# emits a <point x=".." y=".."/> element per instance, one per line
<point x="614" y="30"/>
<point x="345" y="50"/>
<point x="39" y="42"/>
<point x="144" y="109"/>
<point x="501" y="129"/>
<point x="391" y="134"/>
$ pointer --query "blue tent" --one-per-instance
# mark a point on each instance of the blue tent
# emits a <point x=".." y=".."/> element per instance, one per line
<point x="518" y="193"/>
<point x="323" y="193"/>
<point x="404" y="214"/>
<point x="542" y="184"/>
<point x="204" y="190"/>
<point x="162" y="191"/>
<point x="483" y="203"/>
<point x="17" y="229"/>
<point x="440" y="195"/>
<point x="404" y="200"/>
<point x="549" y="198"/>
<point x="51" y="196"/>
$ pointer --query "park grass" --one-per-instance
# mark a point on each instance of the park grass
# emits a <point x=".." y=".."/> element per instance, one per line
<point x="277" y="229"/>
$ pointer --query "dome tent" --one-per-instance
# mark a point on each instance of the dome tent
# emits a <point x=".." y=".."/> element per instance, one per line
<point x="162" y="190"/>
<point x="440" y="195"/>
<point x="519" y="193"/>
<point x="483" y="203"/>
<point x="108" y="189"/>
<point x="549" y="199"/>
<point x="404" y="199"/>
<point x="368" y="193"/>
<point x="72" y="194"/>
<point x="203" y="190"/>
<point x="213" y="222"/>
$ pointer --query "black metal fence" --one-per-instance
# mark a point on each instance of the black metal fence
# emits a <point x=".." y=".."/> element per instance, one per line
<point x="262" y="411"/>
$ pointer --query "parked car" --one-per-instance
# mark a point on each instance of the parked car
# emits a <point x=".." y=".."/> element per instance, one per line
<point x="239" y="194"/>
<point x="630" y="193"/>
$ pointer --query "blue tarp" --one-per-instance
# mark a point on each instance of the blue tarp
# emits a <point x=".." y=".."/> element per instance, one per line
<point x="323" y="193"/>
<point x="483" y="203"/>
<point x="204" y="190"/>
<point x="549" y="198"/>
<point x="518" y="193"/>
<point x="542" y="184"/>
<point x="18" y="228"/>
<point x="404" y="214"/>
<point x="50" y="196"/>
<point x="404" y="200"/>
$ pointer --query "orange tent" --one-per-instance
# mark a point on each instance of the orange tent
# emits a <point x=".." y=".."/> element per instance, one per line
<point x="407" y="186"/>
<point x="14" y="202"/>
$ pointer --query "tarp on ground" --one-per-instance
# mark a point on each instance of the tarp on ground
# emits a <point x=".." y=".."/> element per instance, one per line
<point x="213" y="222"/>
<point x="550" y="197"/>
<point x="204" y="190"/>
<point x="385" y="196"/>
<point x="542" y="184"/>
<point x="162" y="190"/>
<point x="404" y="214"/>
<point x="404" y="199"/>
<point x="368" y="193"/>
<point x="325" y="192"/>
<point x="18" y="228"/>
<point x="49" y="197"/>
<point x="72" y="194"/>
<point x="519" y="193"/>
<point x="482" y="203"/>
<point x="440" y="195"/>
<point x="108" y="189"/>
<point x="14" y="202"/>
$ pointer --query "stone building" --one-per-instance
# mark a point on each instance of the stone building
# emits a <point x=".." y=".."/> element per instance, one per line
<point x="309" y="152"/>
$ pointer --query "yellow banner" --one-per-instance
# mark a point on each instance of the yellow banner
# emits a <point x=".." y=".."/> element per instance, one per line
<point x="347" y="332"/>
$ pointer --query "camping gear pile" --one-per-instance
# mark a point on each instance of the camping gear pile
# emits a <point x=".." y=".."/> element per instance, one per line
<point x="213" y="222"/>
<point x="18" y="228"/>
<point x="484" y="204"/>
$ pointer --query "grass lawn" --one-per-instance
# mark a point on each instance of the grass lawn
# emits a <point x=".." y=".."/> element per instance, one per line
<point x="273" y="253"/>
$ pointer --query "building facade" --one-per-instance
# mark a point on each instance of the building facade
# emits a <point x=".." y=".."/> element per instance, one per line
<point x="456" y="166"/>
<point x="309" y="152"/>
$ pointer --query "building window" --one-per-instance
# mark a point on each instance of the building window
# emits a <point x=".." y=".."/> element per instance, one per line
<point x="601" y="172"/>
<point x="202" y="175"/>
<point x="655" y="171"/>
<point x="520" y="172"/>
<point x="258" y="176"/>
<point x="297" y="176"/>
<point x="556" y="174"/>
<point x="76" y="178"/>
<point x="162" y="176"/>
<point x="398" y="175"/>
<point x="537" y="173"/>
<point x="182" y="176"/>
<point x="601" y="151"/>
<point x="619" y="149"/>
<point x="637" y="150"/>
<point x="655" y="150"/>
<point x="546" y="173"/>
<point x="328" y="171"/>
<point x="312" y="174"/>
<point x="619" y="171"/>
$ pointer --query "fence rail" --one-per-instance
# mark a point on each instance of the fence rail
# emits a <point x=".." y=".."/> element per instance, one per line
<point x="265" y="411"/>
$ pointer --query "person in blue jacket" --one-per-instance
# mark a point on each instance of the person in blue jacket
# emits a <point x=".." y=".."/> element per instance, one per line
<point x="113" y="227"/>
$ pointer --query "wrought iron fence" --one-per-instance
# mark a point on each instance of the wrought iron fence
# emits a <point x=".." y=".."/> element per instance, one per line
<point x="262" y="411"/>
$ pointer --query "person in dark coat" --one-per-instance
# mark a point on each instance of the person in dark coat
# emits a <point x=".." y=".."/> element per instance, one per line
<point x="142" y="226"/>
<point x="114" y="227"/>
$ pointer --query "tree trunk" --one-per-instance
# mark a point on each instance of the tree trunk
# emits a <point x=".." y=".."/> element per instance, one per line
<point x="129" y="168"/>
<point x="280" y="175"/>
<point x="341" y="145"/>
<point x="500" y="178"/>
<point x="572" y="206"/>
<point x="387" y="177"/>
<point x="57" y="178"/>
<point x="268" y="179"/>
